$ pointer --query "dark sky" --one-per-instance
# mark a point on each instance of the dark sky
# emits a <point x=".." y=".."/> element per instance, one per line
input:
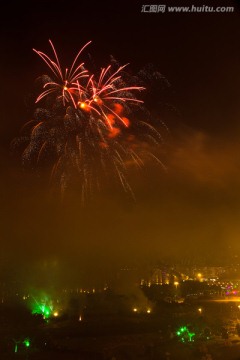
<point x="192" y="210"/>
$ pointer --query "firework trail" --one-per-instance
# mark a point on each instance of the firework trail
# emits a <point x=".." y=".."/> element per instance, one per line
<point x="90" y="127"/>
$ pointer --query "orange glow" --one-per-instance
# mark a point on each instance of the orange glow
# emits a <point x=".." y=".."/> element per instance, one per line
<point x="83" y="106"/>
<point x="114" y="132"/>
<point x="98" y="100"/>
<point x="65" y="88"/>
<point x="103" y="145"/>
<point x="118" y="108"/>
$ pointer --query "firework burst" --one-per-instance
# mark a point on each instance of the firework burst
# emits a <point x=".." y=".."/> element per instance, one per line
<point x="93" y="128"/>
<point x="64" y="82"/>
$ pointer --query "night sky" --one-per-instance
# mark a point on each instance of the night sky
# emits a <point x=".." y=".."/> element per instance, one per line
<point x="189" y="211"/>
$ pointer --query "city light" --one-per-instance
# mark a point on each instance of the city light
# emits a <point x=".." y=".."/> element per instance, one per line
<point x="176" y="283"/>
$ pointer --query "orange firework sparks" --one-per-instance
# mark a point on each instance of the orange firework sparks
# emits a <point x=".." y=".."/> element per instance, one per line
<point x="86" y="126"/>
<point x="114" y="132"/>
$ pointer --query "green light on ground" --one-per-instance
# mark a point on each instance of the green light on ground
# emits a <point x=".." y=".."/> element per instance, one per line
<point x="191" y="335"/>
<point x="185" y="334"/>
<point x="43" y="310"/>
<point x="46" y="311"/>
<point x="26" y="342"/>
<point x="183" y="329"/>
<point x="42" y="307"/>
